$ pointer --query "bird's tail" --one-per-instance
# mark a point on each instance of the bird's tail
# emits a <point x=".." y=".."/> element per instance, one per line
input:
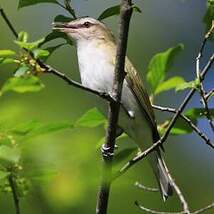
<point x="161" y="173"/>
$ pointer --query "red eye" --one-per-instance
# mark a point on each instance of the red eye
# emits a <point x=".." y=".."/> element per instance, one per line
<point x="87" y="24"/>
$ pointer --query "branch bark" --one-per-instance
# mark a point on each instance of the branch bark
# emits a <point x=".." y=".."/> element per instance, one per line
<point x="114" y="107"/>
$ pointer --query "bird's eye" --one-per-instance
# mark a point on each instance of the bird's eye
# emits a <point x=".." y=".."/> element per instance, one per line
<point x="87" y="24"/>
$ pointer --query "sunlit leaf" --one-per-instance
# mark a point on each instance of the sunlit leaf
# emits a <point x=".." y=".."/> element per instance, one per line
<point x="91" y="118"/>
<point x="9" y="154"/>
<point x="40" y="53"/>
<point x="6" y="53"/>
<point x="112" y="11"/>
<point x="49" y="128"/>
<point x="22" y="84"/>
<point x="3" y="174"/>
<point x="160" y="65"/>
<point x="25" y="3"/>
<point x="29" y="45"/>
<point x="186" y="85"/>
<point x="4" y="61"/>
<point x="26" y="127"/>
<point x="23" y="36"/>
<point x="21" y="71"/>
<point x="169" y="84"/>
<point x="209" y="16"/>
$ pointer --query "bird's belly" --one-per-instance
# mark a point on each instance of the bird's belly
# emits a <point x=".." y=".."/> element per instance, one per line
<point x="99" y="76"/>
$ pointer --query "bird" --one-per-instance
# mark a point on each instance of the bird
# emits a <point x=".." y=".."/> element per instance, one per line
<point x="96" y="53"/>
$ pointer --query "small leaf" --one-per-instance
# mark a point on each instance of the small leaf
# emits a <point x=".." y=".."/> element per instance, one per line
<point x="40" y="53"/>
<point x="22" y="84"/>
<point x="49" y="128"/>
<point x="25" y="3"/>
<point x="29" y="45"/>
<point x="6" y="53"/>
<point x="136" y="8"/>
<point x="23" y="36"/>
<point x="91" y="118"/>
<point x="186" y="85"/>
<point x="160" y="65"/>
<point x="21" y="71"/>
<point x="169" y="84"/>
<point x="4" y="61"/>
<point x="3" y="174"/>
<point x="53" y="48"/>
<point x="25" y="128"/>
<point x="62" y="18"/>
<point x="209" y="17"/>
<point x="112" y="11"/>
<point x="9" y="154"/>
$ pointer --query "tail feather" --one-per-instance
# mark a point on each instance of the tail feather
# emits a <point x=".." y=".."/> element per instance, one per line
<point x="160" y="171"/>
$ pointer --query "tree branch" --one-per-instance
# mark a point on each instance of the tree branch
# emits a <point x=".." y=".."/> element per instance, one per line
<point x="143" y="154"/>
<point x="114" y="107"/>
<point x="14" y="192"/>
<point x="189" y="122"/>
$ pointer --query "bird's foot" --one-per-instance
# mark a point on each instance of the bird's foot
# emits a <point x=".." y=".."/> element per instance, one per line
<point x="106" y="151"/>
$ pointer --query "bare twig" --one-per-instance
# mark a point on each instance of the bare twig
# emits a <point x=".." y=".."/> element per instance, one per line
<point x="143" y="154"/>
<point x="189" y="122"/>
<point x="200" y="86"/>
<point x="209" y="94"/>
<point x="202" y="210"/>
<point x="114" y="107"/>
<point x="150" y="189"/>
<point x="14" y="192"/>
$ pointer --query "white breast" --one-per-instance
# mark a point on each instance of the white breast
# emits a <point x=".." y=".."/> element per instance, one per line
<point x="96" y="71"/>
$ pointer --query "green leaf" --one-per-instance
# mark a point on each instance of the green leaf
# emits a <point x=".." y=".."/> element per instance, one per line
<point x="160" y="65"/>
<point x="124" y="155"/>
<point x="4" y="61"/>
<point x="112" y="11"/>
<point x="21" y="71"/>
<point x="25" y="3"/>
<point x="40" y="53"/>
<point x="136" y="8"/>
<point x="29" y="45"/>
<point x="34" y="128"/>
<point x="62" y="18"/>
<point x="9" y="154"/>
<point x="3" y="174"/>
<point x="91" y="118"/>
<point x="49" y="128"/>
<point x="169" y="84"/>
<point x="26" y="127"/>
<point x="6" y="53"/>
<point x="194" y="114"/>
<point x="53" y="48"/>
<point x="22" y="84"/>
<point x="209" y="17"/>
<point x="23" y="36"/>
<point x="55" y="35"/>
<point x="186" y="85"/>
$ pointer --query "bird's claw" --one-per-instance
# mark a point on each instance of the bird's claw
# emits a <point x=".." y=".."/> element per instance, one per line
<point x="106" y="151"/>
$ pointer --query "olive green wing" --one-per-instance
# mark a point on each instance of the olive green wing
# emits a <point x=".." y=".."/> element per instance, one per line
<point x="135" y="84"/>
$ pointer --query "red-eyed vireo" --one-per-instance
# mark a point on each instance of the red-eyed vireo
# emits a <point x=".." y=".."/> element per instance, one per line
<point x="96" y="51"/>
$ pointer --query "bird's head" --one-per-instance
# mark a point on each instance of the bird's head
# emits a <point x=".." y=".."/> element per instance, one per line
<point x="85" y="28"/>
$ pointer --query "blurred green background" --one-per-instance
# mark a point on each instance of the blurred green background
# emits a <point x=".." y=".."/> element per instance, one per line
<point x="72" y="153"/>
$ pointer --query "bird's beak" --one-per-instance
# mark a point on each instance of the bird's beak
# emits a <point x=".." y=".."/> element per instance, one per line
<point x="60" y="25"/>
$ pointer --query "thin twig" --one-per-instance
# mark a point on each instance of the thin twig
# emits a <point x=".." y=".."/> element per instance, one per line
<point x="210" y="206"/>
<point x="143" y="154"/>
<point x="202" y="210"/>
<point x="114" y="107"/>
<point x="14" y="192"/>
<point x="209" y="94"/>
<point x="189" y="122"/>
<point x="198" y="74"/>
<point x="150" y="189"/>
